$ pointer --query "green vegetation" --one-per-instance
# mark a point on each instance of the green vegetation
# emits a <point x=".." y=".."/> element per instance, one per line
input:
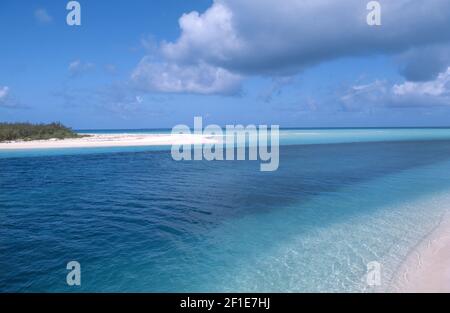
<point x="27" y="131"/>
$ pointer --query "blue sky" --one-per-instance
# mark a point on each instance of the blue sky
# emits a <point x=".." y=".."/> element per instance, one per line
<point x="155" y="64"/>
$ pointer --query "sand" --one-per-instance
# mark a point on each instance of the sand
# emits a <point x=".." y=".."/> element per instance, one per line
<point x="427" y="267"/>
<point x="110" y="140"/>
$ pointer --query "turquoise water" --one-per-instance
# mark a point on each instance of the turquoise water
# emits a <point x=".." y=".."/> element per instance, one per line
<point x="138" y="221"/>
<point x="287" y="137"/>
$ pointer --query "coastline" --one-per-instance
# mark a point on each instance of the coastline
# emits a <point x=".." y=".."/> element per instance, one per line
<point x="110" y="140"/>
<point x="426" y="269"/>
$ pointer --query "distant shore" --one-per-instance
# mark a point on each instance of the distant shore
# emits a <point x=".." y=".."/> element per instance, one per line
<point x="109" y="140"/>
<point x="427" y="267"/>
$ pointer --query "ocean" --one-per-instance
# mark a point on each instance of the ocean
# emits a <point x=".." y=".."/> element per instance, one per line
<point x="136" y="220"/>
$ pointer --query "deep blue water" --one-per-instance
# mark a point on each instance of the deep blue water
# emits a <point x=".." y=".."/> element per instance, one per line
<point x="139" y="221"/>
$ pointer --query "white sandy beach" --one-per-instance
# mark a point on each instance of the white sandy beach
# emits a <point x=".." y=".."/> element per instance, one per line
<point x="110" y="140"/>
<point x="427" y="267"/>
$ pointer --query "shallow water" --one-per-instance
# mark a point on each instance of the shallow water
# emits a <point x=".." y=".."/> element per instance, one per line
<point x="138" y="221"/>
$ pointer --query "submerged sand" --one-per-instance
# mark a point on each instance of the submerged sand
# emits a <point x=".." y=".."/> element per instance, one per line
<point x="427" y="267"/>
<point x="110" y="140"/>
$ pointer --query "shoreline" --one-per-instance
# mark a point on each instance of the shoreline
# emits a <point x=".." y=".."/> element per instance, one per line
<point x="110" y="140"/>
<point x="426" y="268"/>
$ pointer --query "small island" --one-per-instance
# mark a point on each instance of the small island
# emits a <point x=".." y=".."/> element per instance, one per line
<point x="25" y="136"/>
<point x="29" y="132"/>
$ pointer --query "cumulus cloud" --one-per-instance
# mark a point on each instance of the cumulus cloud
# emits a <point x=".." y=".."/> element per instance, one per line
<point x="262" y="37"/>
<point x="406" y="94"/>
<point x="439" y="87"/>
<point x="424" y="63"/>
<point x="42" y="16"/>
<point x="173" y="78"/>
<point x="210" y="36"/>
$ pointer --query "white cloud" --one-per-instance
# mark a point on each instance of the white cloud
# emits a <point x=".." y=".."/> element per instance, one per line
<point x="194" y="75"/>
<point x="438" y="88"/>
<point x="78" y="67"/>
<point x="210" y="35"/>
<point x="173" y="78"/>
<point x="262" y="37"/>
<point x="42" y="16"/>
<point x="363" y="97"/>
<point x="7" y="100"/>
<point x="4" y="91"/>
<point x="407" y="94"/>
